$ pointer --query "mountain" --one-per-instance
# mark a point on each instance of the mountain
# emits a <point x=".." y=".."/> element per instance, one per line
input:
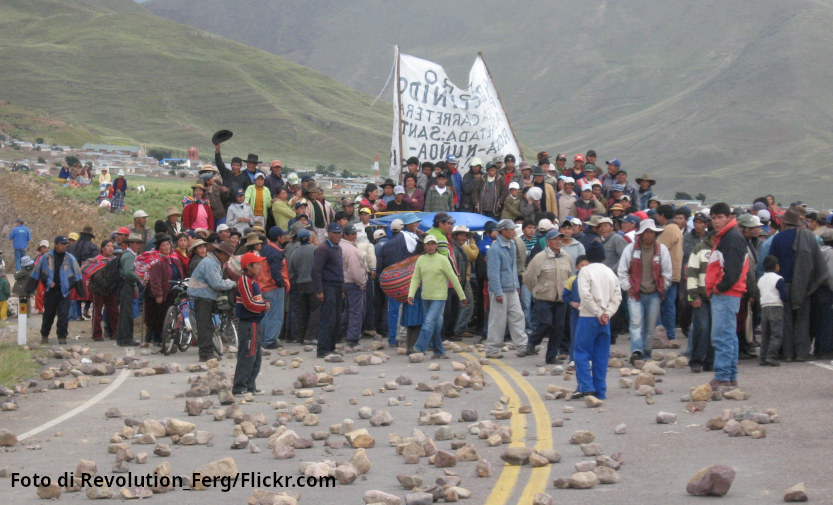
<point x="726" y="98"/>
<point x="127" y="76"/>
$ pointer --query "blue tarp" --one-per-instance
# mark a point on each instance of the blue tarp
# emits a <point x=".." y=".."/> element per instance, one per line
<point x="475" y="222"/>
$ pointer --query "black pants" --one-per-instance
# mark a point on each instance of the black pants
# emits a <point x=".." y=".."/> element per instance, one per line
<point x="330" y="316"/>
<point x="205" y="326"/>
<point x="549" y="323"/>
<point x="304" y="309"/>
<point x="248" y="357"/>
<point x="55" y="303"/>
<point x="452" y="307"/>
<point x="124" y="331"/>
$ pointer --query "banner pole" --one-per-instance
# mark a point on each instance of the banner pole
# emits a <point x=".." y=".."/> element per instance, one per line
<point x="399" y="115"/>
<point x="511" y="128"/>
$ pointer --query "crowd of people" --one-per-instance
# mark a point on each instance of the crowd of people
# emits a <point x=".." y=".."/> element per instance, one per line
<point x="571" y="255"/>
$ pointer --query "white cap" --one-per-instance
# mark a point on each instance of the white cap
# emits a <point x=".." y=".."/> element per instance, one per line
<point x="576" y="221"/>
<point x="140" y="213"/>
<point x="569" y="180"/>
<point x="44" y="243"/>
<point x="398" y="190"/>
<point x="535" y="193"/>
<point x="121" y="173"/>
<point x="545" y="225"/>
<point x="222" y="227"/>
<point x="461" y="228"/>
<point x="587" y="187"/>
<point x="397" y="224"/>
<point x="514" y="185"/>
<point x="379" y="234"/>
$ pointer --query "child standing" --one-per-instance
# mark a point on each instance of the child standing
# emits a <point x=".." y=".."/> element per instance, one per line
<point x="249" y="310"/>
<point x="773" y="295"/>
<point x="701" y="356"/>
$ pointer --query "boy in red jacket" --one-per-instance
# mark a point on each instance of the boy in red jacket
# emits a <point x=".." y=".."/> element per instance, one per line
<point x="249" y="310"/>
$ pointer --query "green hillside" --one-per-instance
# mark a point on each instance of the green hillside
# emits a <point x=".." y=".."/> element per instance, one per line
<point x="29" y="124"/>
<point x="725" y="98"/>
<point x="128" y="76"/>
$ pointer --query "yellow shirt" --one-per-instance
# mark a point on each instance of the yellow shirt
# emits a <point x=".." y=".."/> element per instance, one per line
<point x="258" y="208"/>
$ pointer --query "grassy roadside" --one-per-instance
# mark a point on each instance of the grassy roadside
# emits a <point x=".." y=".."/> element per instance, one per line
<point x="15" y="364"/>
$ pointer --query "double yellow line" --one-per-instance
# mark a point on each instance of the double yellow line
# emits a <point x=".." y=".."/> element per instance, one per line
<point x="508" y="479"/>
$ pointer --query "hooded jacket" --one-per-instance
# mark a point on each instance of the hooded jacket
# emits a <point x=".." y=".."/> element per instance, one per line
<point x="728" y="263"/>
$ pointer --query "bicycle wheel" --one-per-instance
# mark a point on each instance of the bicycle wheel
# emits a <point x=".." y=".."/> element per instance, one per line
<point x="217" y="340"/>
<point x="170" y="332"/>
<point x="189" y="337"/>
<point x="228" y="330"/>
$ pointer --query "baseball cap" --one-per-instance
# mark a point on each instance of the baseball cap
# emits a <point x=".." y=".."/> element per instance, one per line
<point x="619" y="187"/>
<point x="554" y="234"/>
<point x="300" y="203"/>
<point x="505" y="224"/>
<point x="123" y="231"/>
<point x="443" y="217"/>
<point x="631" y="218"/>
<point x="587" y="187"/>
<point x="43" y="243"/>
<point x="276" y="163"/>
<point x="140" y="213"/>
<point x="335" y="228"/>
<point x="545" y="225"/>
<point x="379" y="234"/>
<point x="509" y="157"/>
<point x="569" y="180"/>
<point x="61" y="239"/>
<point x="365" y="210"/>
<point x="397" y="224"/>
<point x="576" y="221"/>
<point x="451" y="159"/>
<point x="349" y="230"/>
<point x="398" y="190"/>
<point x="578" y="157"/>
<point x="701" y="217"/>
<point x="429" y="238"/>
<point x="260" y="175"/>
<point x="222" y="227"/>
<point x="304" y="234"/>
<point x="239" y="192"/>
<point x="250" y="258"/>
<point x="749" y="221"/>
<point x="765" y="216"/>
<point x="460" y="228"/>
<point x="73" y="236"/>
<point x="514" y="185"/>
<point x="476" y="161"/>
<point x="347" y="202"/>
<point x="614" y="161"/>
<point x="560" y="157"/>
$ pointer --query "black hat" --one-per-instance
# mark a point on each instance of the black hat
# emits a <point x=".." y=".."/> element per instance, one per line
<point x="443" y="217"/>
<point x="509" y="157"/>
<point x="220" y="136"/>
<point x="237" y="159"/>
<point x="252" y="158"/>
<point x="537" y="170"/>
<point x="388" y="182"/>
<point x="442" y="174"/>
<point x="544" y="161"/>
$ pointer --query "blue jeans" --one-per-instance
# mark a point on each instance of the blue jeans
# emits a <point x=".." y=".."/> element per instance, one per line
<point x="219" y="221"/>
<point x="272" y="321"/>
<point x="700" y="341"/>
<point x="431" y="329"/>
<point x="725" y="336"/>
<point x="18" y="253"/>
<point x="669" y="309"/>
<point x="526" y="305"/>
<point x="393" y="319"/>
<point x="644" y="314"/>
<point x="592" y="345"/>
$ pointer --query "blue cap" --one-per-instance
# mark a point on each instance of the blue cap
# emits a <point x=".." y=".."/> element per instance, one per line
<point x="275" y="232"/>
<point x="632" y="218"/>
<point x="304" y="235"/>
<point x="764" y="231"/>
<point x="191" y="233"/>
<point x="300" y="204"/>
<point x="239" y="192"/>
<point x="553" y="234"/>
<point x="410" y="218"/>
<point x="619" y="187"/>
<point x="651" y="212"/>
<point x="306" y="178"/>
<point x="61" y="239"/>
<point x="614" y="161"/>
<point x="450" y="158"/>
<point x="334" y="228"/>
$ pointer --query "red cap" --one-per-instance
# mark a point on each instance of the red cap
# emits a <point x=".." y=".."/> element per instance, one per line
<point x="123" y="231"/>
<point x="642" y="214"/>
<point x="250" y="258"/>
<point x="579" y="157"/>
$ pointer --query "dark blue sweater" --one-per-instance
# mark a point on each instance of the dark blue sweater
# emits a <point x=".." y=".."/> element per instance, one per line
<point x="327" y="267"/>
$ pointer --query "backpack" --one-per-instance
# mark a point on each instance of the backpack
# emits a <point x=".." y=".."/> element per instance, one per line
<point x="106" y="280"/>
<point x="395" y="280"/>
<point x="143" y="262"/>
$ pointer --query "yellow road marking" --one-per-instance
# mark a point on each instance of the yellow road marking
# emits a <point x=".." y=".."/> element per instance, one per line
<point x="540" y="476"/>
<point x="508" y="477"/>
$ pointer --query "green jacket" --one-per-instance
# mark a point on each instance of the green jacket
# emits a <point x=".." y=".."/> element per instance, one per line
<point x="433" y="272"/>
<point x="5" y="289"/>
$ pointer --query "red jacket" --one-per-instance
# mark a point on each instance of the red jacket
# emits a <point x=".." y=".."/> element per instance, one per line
<point x="159" y="276"/>
<point x="728" y="263"/>
<point x="189" y="214"/>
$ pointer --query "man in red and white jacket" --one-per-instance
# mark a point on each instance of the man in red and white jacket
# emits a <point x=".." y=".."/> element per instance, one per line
<point x="725" y="285"/>
<point x="249" y="309"/>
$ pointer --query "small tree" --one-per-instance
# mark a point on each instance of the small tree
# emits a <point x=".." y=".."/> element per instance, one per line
<point x="172" y="172"/>
<point x="346" y="174"/>
<point x="41" y="159"/>
<point x="183" y="174"/>
<point x="159" y="153"/>
<point x="72" y="160"/>
<point x="701" y="197"/>
<point x="39" y="140"/>
<point x="320" y="169"/>
<point x="681" y="195"/>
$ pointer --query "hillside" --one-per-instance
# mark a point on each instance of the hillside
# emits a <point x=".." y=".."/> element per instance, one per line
<point x="718" y="97"/>
<point x="20" y="123"/>
<point x="128" y="76"/>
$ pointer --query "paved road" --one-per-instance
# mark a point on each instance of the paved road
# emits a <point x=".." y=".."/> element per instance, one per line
<point x="659" y="458"/>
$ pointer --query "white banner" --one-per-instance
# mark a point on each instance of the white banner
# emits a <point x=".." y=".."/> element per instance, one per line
<point x="434" y="118"/>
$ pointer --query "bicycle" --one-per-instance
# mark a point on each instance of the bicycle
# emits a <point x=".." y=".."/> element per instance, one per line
<point x="225" y="327"/>
<point x="179" y="330"/>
